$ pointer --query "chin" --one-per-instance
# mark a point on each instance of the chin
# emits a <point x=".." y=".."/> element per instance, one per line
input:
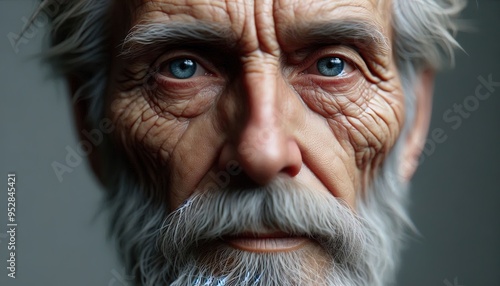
<point x="279" y="234"/>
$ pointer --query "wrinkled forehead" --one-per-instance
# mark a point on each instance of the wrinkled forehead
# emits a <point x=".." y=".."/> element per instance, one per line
<point x="262" y="23"/>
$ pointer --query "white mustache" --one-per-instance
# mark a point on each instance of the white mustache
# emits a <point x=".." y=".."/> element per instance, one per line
<point x="281" y="206"/>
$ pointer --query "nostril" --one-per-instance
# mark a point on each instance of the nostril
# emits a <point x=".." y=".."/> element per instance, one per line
<point x="294" y="159"/>
<point x="263" y="152"/>
<point x="292" y="171"/>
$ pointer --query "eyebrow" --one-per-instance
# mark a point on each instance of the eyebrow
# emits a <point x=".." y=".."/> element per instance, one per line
<point x="364" y="36"/>
<point x="147" y="39"/>
<point x="152" y="38"/>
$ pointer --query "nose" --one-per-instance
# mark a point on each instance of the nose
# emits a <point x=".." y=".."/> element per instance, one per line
<point x="264" y="145"/>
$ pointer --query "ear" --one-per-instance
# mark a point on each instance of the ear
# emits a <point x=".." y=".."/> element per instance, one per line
<point x="417" y="135"/>
<point x="80" y="111"/>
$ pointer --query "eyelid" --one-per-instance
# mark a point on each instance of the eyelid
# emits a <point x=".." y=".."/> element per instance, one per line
<point x="347" y="69"/>
<point x="349" y="55"/>
<point x="171" y="56"/>
<point x="165" y="69"/>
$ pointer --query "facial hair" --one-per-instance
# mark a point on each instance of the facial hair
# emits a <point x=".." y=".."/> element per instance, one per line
<point x="186" y="247"/>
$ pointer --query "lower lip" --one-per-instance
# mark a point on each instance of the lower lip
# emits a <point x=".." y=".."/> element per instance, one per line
<point x="273" y="244"/>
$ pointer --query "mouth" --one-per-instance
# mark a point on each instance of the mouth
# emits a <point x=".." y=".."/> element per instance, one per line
<point x="266" y="242"/>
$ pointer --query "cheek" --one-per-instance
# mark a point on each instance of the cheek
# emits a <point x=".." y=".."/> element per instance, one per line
<point x="167" y="148"/>
<point x="363" y="117"/>
<point x="152" y="117"/>
<point x="184" y="101"/>
<point x="140" y="127"/>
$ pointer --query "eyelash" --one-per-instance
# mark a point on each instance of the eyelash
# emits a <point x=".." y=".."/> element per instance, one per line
<point x="344" y="53"/>
<point x="165" y="59"/>
<point x="313" y="58"/>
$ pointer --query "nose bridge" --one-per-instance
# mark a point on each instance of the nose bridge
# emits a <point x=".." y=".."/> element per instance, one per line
<point x="263" y="97"/>
<point x="263" y="145"/>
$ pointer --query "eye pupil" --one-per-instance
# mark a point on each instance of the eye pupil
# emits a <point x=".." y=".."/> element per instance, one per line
<point x="330" y="66"/>
<point x="183" y="68"/>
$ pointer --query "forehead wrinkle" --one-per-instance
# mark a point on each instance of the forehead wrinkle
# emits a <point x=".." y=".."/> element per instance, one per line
<point x="258" y="25"/>
<point x="265" y="26"/>
<point x="299" y="26"/>
<point x="238" y="15"/>
<point x="291" y="11"/>
<point x="361" y="34"/>
<point x="188" y="10"/>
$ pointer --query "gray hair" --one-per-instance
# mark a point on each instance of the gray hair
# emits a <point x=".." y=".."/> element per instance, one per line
<point x="81" y="37"/>
<point x="81" y="49"/>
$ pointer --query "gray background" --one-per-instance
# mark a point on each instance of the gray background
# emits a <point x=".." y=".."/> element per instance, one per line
<point x="455" y="196"/>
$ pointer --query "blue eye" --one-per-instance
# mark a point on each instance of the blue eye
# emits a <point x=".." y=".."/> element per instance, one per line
<point x="182" y="68"/>
<point x="330" y="66"/>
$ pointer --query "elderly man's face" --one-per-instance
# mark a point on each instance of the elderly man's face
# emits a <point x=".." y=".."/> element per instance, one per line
<point x="219" y="96"/>
<point x="297" y="94"/>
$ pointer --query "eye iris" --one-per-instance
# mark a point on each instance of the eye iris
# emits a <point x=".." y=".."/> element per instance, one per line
<point x="330" y="66"/>
<point x="183" y="68"/>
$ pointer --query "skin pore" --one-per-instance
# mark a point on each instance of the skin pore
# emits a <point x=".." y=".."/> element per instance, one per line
<point x="270" y="90"/>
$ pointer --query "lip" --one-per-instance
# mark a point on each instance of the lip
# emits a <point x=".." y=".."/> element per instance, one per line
<point x="266" y="242"/>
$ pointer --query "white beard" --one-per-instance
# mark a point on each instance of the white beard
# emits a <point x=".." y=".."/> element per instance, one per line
<point x="184" y="247"/>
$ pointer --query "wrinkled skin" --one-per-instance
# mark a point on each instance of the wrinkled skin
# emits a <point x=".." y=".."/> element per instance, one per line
<point x="265" y="106"/>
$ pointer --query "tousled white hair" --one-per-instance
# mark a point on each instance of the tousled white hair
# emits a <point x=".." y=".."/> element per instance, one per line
<point x="81" y="34"/>
<point x="81" y="37"/>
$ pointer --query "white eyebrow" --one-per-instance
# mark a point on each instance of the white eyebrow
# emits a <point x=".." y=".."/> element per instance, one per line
<point x="362" y="35"/>
<point x="148" y="38"/>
